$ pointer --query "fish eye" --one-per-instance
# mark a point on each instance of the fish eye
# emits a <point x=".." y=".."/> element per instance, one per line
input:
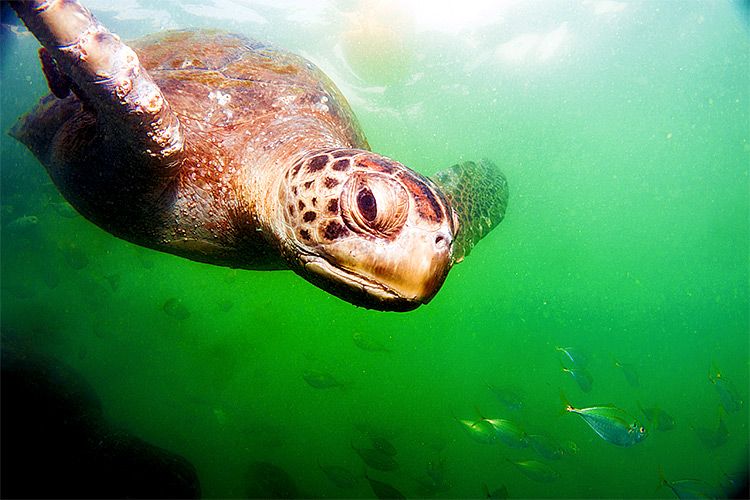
<point x="367" y="205"/>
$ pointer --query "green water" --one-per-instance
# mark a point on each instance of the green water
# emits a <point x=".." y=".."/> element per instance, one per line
<point x="625" y="137"/>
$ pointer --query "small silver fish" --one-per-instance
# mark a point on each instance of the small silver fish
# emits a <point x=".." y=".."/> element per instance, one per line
<point x="382" y="445"/>
<point x="375" y="459"/>
<point x="480" y="431"/>
<point x="500" y="493"/>
<point x="631" y="375"/>
<point x="339" y="476"/>
<point x="571" y="354"/>
<point x="536" y="471"/>
<point x="545" y="446"/>
<point x="689" y="488"/>
<point x="582" y="377"/>
<point x="510" y="433"/>
<point x="320" y="379"/>
<point x="367" y="342"/>
<point x="662" y="420"/>
<point x="384" y="490"/>
<point x="507" y="396"/>
<point x="728" y="393"/>
<point x="612" y="424"/>
<point x="175" y="308"/>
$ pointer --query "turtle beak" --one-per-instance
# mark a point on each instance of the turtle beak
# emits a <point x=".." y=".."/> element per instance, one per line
<point x="387" y="278"/>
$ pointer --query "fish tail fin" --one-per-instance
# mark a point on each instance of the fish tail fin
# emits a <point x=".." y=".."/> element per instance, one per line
<point x="485" y="490"/>
<point x="614" y="360"/>
<point x="566" y="404"/>
<point x="662" y="481"/>
<point x="481" y="417"/>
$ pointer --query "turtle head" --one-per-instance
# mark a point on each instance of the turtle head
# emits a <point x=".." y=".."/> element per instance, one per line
<point x="367" y="229"/>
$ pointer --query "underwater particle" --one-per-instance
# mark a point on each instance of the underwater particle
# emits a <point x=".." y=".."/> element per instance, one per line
<point x="175" y="308"/>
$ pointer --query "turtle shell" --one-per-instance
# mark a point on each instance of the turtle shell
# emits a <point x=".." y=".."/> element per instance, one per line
<point x="225" y="79"/>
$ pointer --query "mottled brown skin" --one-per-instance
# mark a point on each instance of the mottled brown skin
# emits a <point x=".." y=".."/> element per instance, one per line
<point x="275" y="173"/>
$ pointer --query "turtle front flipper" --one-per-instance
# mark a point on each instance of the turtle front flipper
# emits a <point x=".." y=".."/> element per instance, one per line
<point x="478" y="194"/>
<point x="107" y="77"/>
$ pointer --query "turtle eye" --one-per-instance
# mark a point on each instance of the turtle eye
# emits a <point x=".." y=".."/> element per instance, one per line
<point x="374" y="204"/>
<point x="367" y="205"/>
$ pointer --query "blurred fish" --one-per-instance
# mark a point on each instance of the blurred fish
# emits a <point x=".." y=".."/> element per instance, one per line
<point x="382" y="445"/>
<point x="113" y="280"/>
<point x="339" y="476"/>
<point x="630" y="373"/>
<point x="74" y="256"/>
<point x="545" y="446"/>
<point x="536" y="471"/>
<point x="437" y="470"/>
<point x="22" y="224"/>
<point x="19" y="290"/>
<point x="570" y="447"/>
<point x="689" y="488"/>
<point x="507" y="396"/>
<point x="175" y="308"/>
<point x="225" y="304"/>
<point x="500" y="493"/>
<point x="375" y="459"/>
<point x="730" y="397"/>
<point x="706" y="436"/>
<point x="481" y="431"/>
<point x="573" y="355"/>
<point x="265" y="480"/>
<point x="436" y="481"/>
<point x="366" y="342"/>
<point x="384" y="490"/>
<point x="510" y="433"/>
<point x="662" y="420"/>
<point x="64" y="209"/>
<point x="144" y="257"/>
<point x="732" y="484"/>
<point x="722" y="433"/>
<point x="49" y="273"/>
<point x="582" y="377"/>
<point x="612" y="424"/>
<point x="320" y="379"/>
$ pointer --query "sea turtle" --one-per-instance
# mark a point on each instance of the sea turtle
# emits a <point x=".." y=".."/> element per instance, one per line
<point x="229" y="150"/>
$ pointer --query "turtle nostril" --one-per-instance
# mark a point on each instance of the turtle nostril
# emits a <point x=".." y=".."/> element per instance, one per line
<point x="441" y="241"/>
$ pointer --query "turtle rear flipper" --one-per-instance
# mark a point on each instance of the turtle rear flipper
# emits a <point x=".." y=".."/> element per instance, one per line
<point x="107" y="76"/>
<point x="478" y="193"/>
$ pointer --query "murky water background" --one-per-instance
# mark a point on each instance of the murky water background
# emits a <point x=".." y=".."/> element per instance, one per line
<point x="623" y="130"/>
